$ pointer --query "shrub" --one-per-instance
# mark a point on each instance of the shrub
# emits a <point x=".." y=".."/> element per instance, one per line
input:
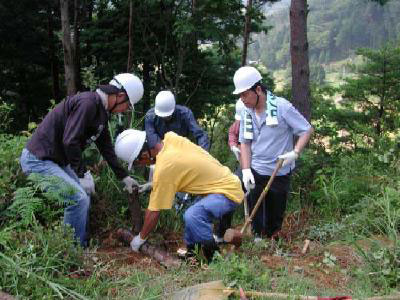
<point x="42" y="199"/>
<point x="381" y="215"/>
<point x="34" y="262"/>
<point x="11" y="175"/>
<point x="337" y="189"/>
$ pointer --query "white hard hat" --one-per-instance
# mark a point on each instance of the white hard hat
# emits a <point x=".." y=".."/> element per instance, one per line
<point x="165" y="104"/>
<point x="239" y="108"/>
<point x="128" y="145"/>
<point x="131" y="84"/>
<point x="245" y="78"/>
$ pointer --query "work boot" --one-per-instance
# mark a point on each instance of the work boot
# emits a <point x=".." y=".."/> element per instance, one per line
<point x="209" y="249"/>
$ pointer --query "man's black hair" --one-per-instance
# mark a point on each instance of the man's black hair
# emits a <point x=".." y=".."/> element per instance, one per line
<point x="109" y="89"/>
<point x="261" y="85"/>
<point x="145" y="148"/>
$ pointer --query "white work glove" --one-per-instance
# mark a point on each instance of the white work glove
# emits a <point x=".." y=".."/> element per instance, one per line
<point x="248" y="179"/>
<point x="87" y="183"/>
<point x="137" y="242"/>
<point x="236" y="151"/>
<point x="145" y="187"/>
<point x="129" y="183"/>
<point x="289" y="157"/>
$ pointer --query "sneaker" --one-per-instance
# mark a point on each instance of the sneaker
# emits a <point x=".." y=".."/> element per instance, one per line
<point x="218" y="240"/>
<point x="182" y="252"/>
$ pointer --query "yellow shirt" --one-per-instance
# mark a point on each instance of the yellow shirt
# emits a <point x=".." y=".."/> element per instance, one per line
<point x="182" y="166"/>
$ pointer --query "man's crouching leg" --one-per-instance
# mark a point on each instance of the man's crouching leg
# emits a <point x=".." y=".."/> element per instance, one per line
<point x="198" y="222"/>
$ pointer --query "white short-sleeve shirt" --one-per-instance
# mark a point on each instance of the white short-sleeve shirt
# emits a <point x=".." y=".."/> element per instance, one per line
<point x="270" y="141"/>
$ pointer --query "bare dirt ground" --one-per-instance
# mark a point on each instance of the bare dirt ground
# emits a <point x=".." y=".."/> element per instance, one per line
<point x="117" y="257"/>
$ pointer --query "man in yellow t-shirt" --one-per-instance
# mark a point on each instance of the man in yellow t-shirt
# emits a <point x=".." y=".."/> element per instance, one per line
<point x="182" y="166"/>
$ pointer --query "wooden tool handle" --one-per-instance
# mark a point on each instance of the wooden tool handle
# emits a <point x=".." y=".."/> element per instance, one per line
<point x="264" y="192"/>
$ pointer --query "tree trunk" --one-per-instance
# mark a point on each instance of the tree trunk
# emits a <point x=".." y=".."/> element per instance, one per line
<point x="69" y="65"/>
<point x="54" y="63"/>
<point x="88" y="15"/>
<point x="146" y="84"/>
<point x="246" y="34"/>
<point x="130" y="40"/>
<point x="299" y="57"/>
<point x="76" y="44"/>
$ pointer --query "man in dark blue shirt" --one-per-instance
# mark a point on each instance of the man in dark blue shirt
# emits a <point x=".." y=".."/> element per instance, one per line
<point x="56" y="146"/>
<point x="167" y="116"/>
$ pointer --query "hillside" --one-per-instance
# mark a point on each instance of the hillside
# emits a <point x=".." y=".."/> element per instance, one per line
<point x="336" y="29"/>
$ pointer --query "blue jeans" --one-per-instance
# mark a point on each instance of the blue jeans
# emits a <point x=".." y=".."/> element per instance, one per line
<point x="75" y="215"/>
<point x="199" y="217"/>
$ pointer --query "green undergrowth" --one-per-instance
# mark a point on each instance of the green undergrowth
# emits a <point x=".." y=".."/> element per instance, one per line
<point x="348" y="199"/>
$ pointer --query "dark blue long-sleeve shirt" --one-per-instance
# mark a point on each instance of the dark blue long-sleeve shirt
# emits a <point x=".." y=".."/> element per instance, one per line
<point x="182" y="123"/>
<point x="72" y="125"/>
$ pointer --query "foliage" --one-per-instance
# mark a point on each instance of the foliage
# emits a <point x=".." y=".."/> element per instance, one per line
<point x="335" y="30"/>
<point x="350" y="184"/>
<point x="376" y="215"/>
<point x="381" y="216"/>
<point x="339" y="188"/>
<point x="376" y="90"/>
<point x="35" y="261"/>
<point x="89" y="78"/>
<point x="317" y="74"/>
<point x="6" y="118"/>
<point x="326" y="232"/>
<point x="25" y="61"/>
<point x="42" y="199"/>
<point x="10" y="173"/>
<point x="191" y="50"/>
<point x="239" y="272"/>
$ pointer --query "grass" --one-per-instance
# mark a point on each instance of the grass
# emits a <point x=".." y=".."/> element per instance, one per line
<point x="33" y="262"/>
<point x="353" y="199"/>
<point x="254" y="268"/>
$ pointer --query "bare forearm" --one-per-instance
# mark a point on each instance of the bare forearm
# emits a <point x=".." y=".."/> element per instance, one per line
<point x="245" y="155"/>
<point x="303" y="140"/>
<point x="150" y="222"/>
<point x="158" y="147"/>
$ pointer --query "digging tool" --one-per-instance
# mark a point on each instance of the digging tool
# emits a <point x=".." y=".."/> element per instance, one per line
<point x="305" y="247"/>
<point x="246" y="208"/>
<point x="163" y="257"/>
<point x="233" y="236"/>
<point x="135" y="210"/>
<point x="246" y="212"/>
